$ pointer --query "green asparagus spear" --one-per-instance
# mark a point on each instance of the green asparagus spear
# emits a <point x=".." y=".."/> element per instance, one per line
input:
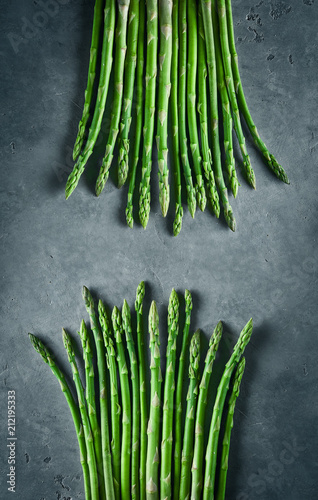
<point x="126" y="405"/>
<point x="89" y="374"/>
<point x="216" y="153"/>
<point x="120" y="53"/>
<point x="183" y="37"/>
<point x="269" y="158"/>
<point x="115" y="408"/>
<point x="91" y="404"/>
<point x="129" y="80"/>
<point x="138" y="114"/>
<point x="97" y="22"/>
<point x="164" y="88"/>
<point x="140" y="293"/>
<point x="91" y="457"/>
<point x="226" y="57"/>
<point x="103" y="404"/>
<point x="135" y="435"/>
<point x="224" y="463"/>
<point x="198" y="452"/>
<point x="203" y="117"/>
<point x="150" y="105"/>
<point x="153" y="431"/>
<point x="168" y="398"/>
<point x="47" y="358"/>
<point x="177" y="224"/>
<point x="179" y="409"/>
<point x="226" y="111"/>
<point x="191" y="102"/>
<point x="107" y="51"/>
<point x="188" y="440"/>
<point x="211" y="449"/>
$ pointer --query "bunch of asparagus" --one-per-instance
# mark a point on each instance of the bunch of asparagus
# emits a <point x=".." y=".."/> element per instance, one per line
<point x="176" y="61"/>
<point x="140" y="436"/>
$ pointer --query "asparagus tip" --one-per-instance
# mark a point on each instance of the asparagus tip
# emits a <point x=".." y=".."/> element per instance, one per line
<point x="164" y="199"/>
<point x="73" y="178"/>
<point x="116" y="315"/>
<point x="129" y="216"/>
<point x="153" y="320"/>
<point x="177" y="224"/>
<point x="68" y="191"/>
<point x="278" y="169"/>
<point x="192" y="202"/>
<point x="216" y="335"/>
<point x="188" y="301"/>
<point x="39" y="347"/>
<point x="125" y="309"/>
<point x="101" y="310"/>
<point x="194" y="355"/>
<point x="173" y="301"/>
<point x="245" y="336"/>
<point x="83" y="330"/>
<point x="144" y="220"/>
<point x="101" y="181"/>
<point x="234" y="185"/>
<point x="87" y="297"/>
<point x="230" y="220"/>
<point x="201" y="197"/>
<point x="140" y="293"/>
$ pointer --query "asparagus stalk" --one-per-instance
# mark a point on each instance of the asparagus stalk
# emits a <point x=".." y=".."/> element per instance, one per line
<point x="168" y="398"/>
<point x="129" y="80"/>
<point x="126" y="405"/>
<point x="103" y="404"/>
<point x="179" y="389"/>
<point x="153" y="431"/>
<point x="143" y="384"/>
<point x="177" y="224"/>
<point x="188" y="441"/>
<point x="106" y="66"/>
<point x="211" y="449"/>
<point x="216" y="153"/>
<point x="150" y="105"/>
<point x="191" y="101"/>
<point x="226" y="111"/>
<point x="47" y="358"/>
<point x="269" y="158"/>
<point x="115" y="408"/>
<point x="226" y="57"/>
<point x="198" y="452"/>
<point x="135" y="435"/>
<point x="203" y="117"/>
<point x="120" y="54"/>
<point x="191" y="197"/>
<point x="91" y="404"/>
<point x="97" y="22"/>
<point x="91" y="458"/>
<point x="164" y="88"/>
<point x="138" y="114"/>
<point x="224" y="463"/>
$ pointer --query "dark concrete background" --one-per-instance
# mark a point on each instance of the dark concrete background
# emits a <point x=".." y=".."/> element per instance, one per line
<point x="268" y="269"/>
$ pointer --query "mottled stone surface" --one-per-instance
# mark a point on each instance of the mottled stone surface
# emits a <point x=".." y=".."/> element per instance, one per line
<point x="267" y="269"/>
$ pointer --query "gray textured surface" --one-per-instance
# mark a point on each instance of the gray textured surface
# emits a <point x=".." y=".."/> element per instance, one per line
<point x="267" y="269"/>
